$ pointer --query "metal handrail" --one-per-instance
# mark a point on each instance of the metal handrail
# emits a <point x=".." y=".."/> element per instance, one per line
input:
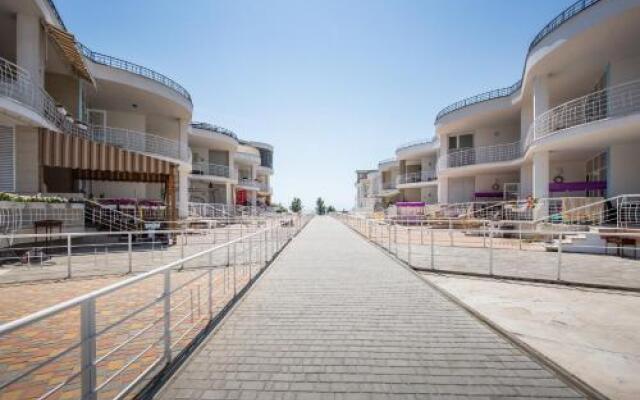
<point x="613" y="101"/>
<point x="417" y="177"/>
<point x="210" y="169"/>
<point x="568" y="13"/>
<point x="277" y="236"/>
<point x="214" y="128"/>
<point x="16" y="84"/>
<point x="391" y="160"/>
<point x="247" y="157"/>
<point x="133" y="68"/>
<point x="480" y="155"/>
<point x="419" y="142"/>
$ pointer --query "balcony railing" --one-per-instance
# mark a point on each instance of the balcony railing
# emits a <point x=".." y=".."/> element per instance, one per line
<point x="16" y="84"/>
<point x="249" y="182"/>
<point x="247" y="157"/>
<point x="214" y="128"/>
<point x="615" y="101"/>
<point x="417" y="177"/>
<point x="388" y="162"/>
<point x="202" y="168"/>
<point x="133" y="68"/>
<point x="479" y="98"/>
<point x="568" y="13"/>
<point x="416" y="143"/>
<point x="481" y="155"/>
<point x="264" y="187"/>
<point x="389" y="186"/>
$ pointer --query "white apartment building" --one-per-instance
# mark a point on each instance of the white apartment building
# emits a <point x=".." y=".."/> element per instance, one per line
<point x="227" y="170"/>
<point x="79" y="123"/>
<point x="569" y="128"/>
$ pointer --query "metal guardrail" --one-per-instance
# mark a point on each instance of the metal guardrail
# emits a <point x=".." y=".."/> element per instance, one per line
<point x="570" y="12"/>
<point x="246" y="157"/>
<point x="387" y="161"/>
<point x="133" y="68"/>
<point x="248" y="182"/>
<point x="614" y="101"/>
<point x="479" y="98"/>
<point x="16" y="84"/>
<point x="416" y="143"/>
<point x="482" y="248"/>
<point x="202" y="168"/>
<point x="214" y="128"/>
<point x="176" y="315"/>
<point x="480" y="155"/>
<point x="417" y="177"/>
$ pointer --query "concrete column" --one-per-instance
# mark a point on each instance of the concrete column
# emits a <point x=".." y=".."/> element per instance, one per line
<point x="526" y="181"/>
<point x="229" y="193"/>
<point x="183" y="190"/>
<point x="29" y="53"/>
<point x="540" y="96"/>
<point x="541" y="174"/>
<point x="443" y="190"/>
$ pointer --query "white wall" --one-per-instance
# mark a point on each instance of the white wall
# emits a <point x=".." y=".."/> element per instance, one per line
<point x="624" y="168"/>
<point x="429" y="194"/>
<point x="27" y="162"/>
<point x="484" y="183"/>
<point x="461" y="189"/>
<point x="164" y="126"/>
<point x="126" y="120"/>
<point x="624" y="70"/>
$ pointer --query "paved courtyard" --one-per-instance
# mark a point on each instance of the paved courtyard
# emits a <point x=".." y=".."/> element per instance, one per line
<point x="335" y="318"/>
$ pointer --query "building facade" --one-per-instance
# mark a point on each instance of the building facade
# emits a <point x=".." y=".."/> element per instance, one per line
<point x="79" y="123"/>
<point x="569" y="127"/>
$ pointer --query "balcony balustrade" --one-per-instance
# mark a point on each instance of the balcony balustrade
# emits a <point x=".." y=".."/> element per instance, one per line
<point x="417" y="177"/>
<point x="16" y="84"/>
<point x="615" y="101"/>
<point x="481" y="155"/>
<point x="202" y="168"/>
<point x="133" y="68"/>
<point x="248" y="158"/>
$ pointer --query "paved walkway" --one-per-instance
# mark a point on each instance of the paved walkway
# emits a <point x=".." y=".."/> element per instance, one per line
<point x="335" y="318"/>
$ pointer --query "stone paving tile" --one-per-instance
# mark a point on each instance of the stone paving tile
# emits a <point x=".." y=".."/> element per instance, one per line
<point x="334" y="318"/>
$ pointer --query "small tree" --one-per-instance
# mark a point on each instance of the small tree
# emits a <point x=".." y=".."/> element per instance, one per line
<point x="320" y="207"/>
<point x="296" y="205"/>
<point x="331" y="209"/>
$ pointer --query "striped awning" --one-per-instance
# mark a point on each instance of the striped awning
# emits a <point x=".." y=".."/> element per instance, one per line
<point x="67" y="151"/>
<point x="67" y="44"/>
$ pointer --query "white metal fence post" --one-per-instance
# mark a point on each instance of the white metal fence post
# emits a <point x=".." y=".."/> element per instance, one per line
<point x="167" y="316"/>
<point x="558" y="276"/>
<point x="130" y="251"/>
<point x="433" y="261"/>
<point x="409" y="245"/>
<point x="210" y="292"/>
<point x="490" y="251"/>
<point x="88" y="349"/>
<point x="69" y="254"/>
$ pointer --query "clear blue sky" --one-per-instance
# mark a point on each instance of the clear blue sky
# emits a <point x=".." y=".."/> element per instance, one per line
<point x="334" y="85"/>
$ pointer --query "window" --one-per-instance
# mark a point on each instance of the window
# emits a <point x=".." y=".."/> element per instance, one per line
<point x="596" y="171"/>
<point x="459" y="142"/>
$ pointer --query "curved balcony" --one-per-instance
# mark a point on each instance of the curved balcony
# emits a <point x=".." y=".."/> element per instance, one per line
<point x="133" y="68"/>
<point x="417" y="177"/>
<point x="16" y="84"/>
<point x="388" y="163"/>
<point x="264" y="187"/>
<point x="202" y="168"/>
<point x="215" y="129"/>
<point x="567" y="14"/>
<point x="615" y="101"/>
<point x="479" y="98"/>
<point x="247" y="158"/>
<point x="249" y="184"/>
<point x="481" y="155"/>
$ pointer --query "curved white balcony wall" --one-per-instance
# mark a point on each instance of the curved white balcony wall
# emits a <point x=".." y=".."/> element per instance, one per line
<point x="139" y="85"/>
<point x="247" y="155"/>
<point x="417" y="149"/>
<point x="388" y="164"/>
<point x="570" y="52"/>
<point x="203" y="135"/>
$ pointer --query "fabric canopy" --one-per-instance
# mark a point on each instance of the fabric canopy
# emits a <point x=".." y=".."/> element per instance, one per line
<point x="67" y="44"/>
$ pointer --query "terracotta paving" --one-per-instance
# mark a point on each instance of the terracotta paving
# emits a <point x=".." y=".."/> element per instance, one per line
<point x="25" y="348"/>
